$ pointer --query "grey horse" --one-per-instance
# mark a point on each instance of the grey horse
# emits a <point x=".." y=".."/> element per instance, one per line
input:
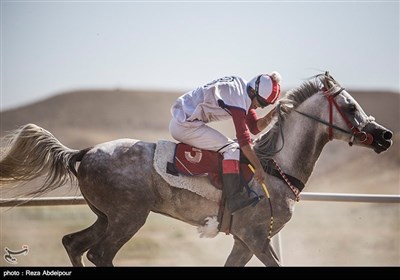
<point x="120" y="185"/>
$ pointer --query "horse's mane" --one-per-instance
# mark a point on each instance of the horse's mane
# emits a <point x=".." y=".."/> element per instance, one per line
<point x="265" y="145"/>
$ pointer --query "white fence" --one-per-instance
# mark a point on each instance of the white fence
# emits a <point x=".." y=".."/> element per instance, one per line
<point x="307" y="196"/>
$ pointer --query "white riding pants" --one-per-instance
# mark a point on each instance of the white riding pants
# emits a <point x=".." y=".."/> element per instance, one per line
<point x="201" y="136"/>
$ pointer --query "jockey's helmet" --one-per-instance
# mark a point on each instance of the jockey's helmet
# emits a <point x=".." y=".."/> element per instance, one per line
<point x="266" y="88"/>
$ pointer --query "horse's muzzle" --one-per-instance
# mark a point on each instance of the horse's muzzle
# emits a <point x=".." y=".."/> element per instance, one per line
<point x="382" y="137"/>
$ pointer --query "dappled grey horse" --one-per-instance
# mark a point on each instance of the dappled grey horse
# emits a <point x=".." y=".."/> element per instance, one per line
<point x="121" y="186"/>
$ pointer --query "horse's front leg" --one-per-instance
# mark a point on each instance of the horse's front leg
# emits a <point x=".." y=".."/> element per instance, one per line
<point x="240" y="254"/>
<point x="267" y="256"/>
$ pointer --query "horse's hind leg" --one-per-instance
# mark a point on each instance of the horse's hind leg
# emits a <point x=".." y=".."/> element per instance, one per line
<point x="121" y="228"/>
<point x="240" y="254"/>
<point x="79" y="242"/>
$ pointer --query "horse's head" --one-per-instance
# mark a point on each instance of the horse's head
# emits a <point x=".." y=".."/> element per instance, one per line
<point x="324" y="101"/>
<point x="348" y="121"/>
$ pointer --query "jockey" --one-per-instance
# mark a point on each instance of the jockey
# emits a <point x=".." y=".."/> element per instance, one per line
<point x="224" y="98"/>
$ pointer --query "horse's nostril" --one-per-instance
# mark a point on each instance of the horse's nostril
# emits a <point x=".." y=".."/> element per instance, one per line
<point x="387" y="135"/>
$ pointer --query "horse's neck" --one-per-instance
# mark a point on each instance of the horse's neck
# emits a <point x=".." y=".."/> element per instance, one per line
<point x="304" y="141"/>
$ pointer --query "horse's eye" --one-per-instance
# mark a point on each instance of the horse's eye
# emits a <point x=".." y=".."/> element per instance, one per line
<point x="352" y="108"/>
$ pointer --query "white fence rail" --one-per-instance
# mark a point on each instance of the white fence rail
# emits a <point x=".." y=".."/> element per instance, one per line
<point x="42" y="201"/>
<point x="348" y="197"/>
<point x="276" y="241"/>
<point x="307" y="196"/>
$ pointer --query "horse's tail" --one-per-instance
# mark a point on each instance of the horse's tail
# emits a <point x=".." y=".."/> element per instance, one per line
<point x="31" y="152"/>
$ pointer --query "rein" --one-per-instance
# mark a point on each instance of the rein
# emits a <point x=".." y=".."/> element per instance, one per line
<point x="323" y="122"/>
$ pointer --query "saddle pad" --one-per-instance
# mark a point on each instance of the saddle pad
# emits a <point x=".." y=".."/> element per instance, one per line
<point x="194" y="162"/>
<point x="164" y="153"/>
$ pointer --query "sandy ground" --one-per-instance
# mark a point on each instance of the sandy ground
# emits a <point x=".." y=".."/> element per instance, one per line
<point x="319" y="234"/>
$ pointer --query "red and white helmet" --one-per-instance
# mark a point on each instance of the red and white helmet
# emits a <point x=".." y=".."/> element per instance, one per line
<point x="267" y="88"/>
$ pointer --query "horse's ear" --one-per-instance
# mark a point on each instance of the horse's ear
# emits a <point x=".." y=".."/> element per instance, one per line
<point x="333" y="81"/>
<point x="325" y="81"/>
<point x="328" y="81"/>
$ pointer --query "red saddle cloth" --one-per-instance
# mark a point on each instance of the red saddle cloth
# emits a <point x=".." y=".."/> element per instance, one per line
<point x="192" y="161"/>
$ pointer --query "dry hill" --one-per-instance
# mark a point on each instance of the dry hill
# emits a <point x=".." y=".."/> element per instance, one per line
<point x="85" y="118"/>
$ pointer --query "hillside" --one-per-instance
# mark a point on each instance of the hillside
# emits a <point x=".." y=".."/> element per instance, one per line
<point x="85" y="118"/>
<point x="112" y="106"/>
<point x="125" y="113"/>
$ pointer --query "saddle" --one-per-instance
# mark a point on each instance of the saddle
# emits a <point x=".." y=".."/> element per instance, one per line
<point x="191" y="161"/>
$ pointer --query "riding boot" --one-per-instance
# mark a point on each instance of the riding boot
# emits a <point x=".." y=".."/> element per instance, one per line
<point x="235" y="197"/>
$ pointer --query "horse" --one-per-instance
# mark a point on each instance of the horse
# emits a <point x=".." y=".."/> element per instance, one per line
<point x="121" y="186"/>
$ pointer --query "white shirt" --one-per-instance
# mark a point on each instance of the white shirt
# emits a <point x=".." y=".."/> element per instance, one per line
<point x="201" y="104"/>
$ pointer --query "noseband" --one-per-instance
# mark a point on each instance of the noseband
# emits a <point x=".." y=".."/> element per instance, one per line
<point x="355" y="132"/>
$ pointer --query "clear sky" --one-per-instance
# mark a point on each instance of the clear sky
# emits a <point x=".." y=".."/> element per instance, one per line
<point x="48" y="47"/>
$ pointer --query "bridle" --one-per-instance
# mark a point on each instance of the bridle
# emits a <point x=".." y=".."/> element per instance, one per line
<point x="355" y="131"/>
